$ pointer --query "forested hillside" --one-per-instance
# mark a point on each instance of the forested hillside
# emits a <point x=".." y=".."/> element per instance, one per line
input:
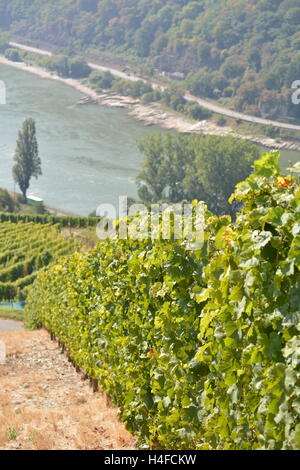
<point x="244" y="53"/>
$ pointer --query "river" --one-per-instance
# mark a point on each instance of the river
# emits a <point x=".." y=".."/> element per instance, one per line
<point x="89" y="153"/>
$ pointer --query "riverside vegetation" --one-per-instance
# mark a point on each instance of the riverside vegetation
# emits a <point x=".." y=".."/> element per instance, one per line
<point x="200" y="349"/>
<point x="187" y="167"/>
<point x="77" y="67"/>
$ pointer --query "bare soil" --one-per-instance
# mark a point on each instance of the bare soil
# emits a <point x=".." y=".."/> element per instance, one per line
<point x="46" y="404"/>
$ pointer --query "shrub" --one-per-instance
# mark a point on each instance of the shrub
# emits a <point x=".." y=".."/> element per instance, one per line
<point x="78" y="67"/>
<point x="197" y="112"/>
<point x="103" y="80"/>
<point x="221" y="121"/>
<point x="13" y="55"/>
<point x="7" y="204"/>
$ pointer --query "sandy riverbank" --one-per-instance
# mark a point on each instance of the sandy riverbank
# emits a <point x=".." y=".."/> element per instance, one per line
<point x="152" y="113"/>
<point x="45" y="74"/>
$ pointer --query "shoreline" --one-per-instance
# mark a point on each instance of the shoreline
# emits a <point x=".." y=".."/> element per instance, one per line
<point x="151" y="114"/>
<point x="50" y="210"/>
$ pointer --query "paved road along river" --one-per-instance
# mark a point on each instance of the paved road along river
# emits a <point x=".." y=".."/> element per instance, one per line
<point x="212" y="106"/>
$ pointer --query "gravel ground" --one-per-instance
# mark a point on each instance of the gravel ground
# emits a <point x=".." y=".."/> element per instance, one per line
<point x="10" y="325"/>
<point x="46" y="404"/>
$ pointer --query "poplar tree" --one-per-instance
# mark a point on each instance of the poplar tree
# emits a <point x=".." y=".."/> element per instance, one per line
<point x="27" y="161"/>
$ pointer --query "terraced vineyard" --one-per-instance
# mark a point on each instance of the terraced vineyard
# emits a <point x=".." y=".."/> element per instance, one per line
<point x="26" y="249"/>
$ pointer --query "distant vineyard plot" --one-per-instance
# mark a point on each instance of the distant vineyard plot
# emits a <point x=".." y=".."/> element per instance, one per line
<point x="26" y="249"/>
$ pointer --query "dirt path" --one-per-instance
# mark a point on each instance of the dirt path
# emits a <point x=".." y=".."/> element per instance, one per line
<point x="45" y="404"/>
<point x="10" y="325"/>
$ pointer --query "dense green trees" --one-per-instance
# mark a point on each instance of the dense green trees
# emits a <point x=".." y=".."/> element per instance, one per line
<point x="188" y="167"/>
<point x="27" y="161"/>
<point x="102" y="80"/>
<point x="7" y="204"/>
<point x="58" y="64"/>
<point x="13" y="55"/>
<point x="78" y="67"/>
<point x="232" y="43"/>
<point x="65" y="66"/>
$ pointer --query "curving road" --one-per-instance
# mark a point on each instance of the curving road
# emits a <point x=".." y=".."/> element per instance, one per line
<point x="211" y="106"/>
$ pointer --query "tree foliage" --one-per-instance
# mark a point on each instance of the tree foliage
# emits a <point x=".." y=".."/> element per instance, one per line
<point x="7" y="203"/>
<point x="27" y="161"/>
<point x="188" y="167"/>
<point x="13" y="55"/>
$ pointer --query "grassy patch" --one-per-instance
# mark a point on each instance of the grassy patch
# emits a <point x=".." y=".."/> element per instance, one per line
<point x="11" y="313"/>
<point x="12" y="434"/>
<point x="89" y="237"/>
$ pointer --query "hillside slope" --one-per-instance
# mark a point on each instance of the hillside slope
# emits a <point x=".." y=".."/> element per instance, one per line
<point x="45" y="404"/>
<point x="244" y="53"/>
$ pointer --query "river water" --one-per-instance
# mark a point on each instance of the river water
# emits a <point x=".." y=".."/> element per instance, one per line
<point x="89" y="153"/>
